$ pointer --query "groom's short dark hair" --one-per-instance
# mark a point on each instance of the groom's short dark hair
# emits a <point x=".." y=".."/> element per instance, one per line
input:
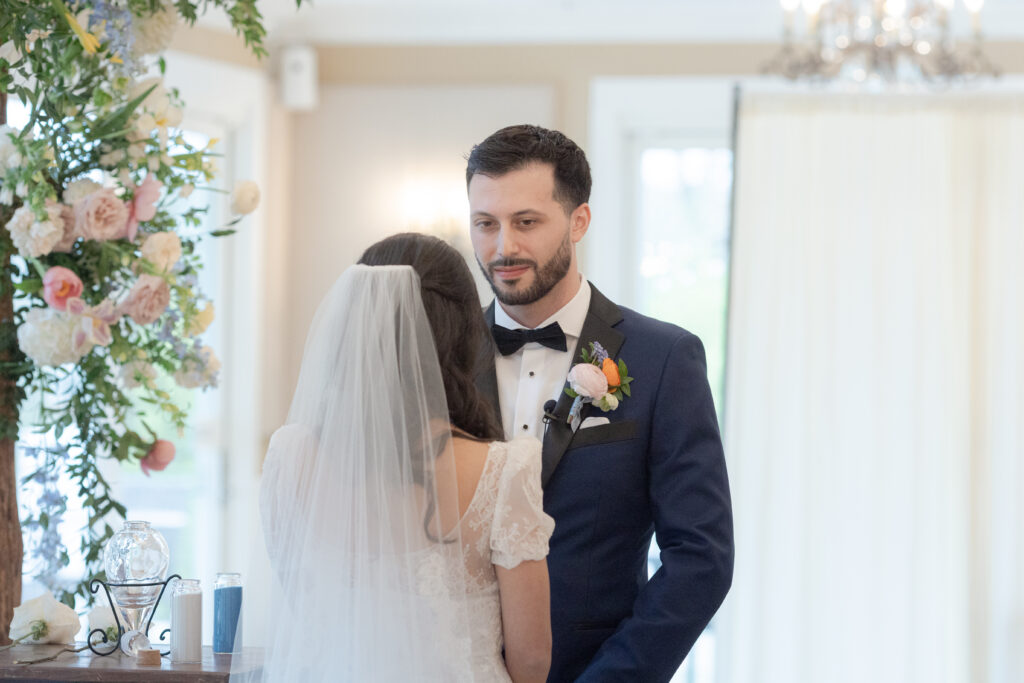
<point x="514" y="147"/>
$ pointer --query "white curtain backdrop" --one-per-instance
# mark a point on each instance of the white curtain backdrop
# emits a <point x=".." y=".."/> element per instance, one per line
<point x="875" y="395"/>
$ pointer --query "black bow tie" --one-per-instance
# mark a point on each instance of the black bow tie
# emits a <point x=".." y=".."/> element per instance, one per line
<point x="510" y="341"/>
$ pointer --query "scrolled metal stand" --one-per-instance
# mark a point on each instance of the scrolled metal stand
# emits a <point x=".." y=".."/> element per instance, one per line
<point x="94" y="586"/>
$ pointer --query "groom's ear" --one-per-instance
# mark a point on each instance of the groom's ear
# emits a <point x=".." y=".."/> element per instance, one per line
<point x="579" y="221"/>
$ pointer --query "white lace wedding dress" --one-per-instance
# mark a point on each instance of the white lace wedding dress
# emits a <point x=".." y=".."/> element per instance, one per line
<point x="504" y="525"/>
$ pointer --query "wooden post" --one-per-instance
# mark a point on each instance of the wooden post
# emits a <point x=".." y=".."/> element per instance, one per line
<point x="10" y="523"/>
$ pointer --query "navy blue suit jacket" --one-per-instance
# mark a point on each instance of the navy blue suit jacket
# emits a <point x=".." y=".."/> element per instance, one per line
<point x="656" y="468"/>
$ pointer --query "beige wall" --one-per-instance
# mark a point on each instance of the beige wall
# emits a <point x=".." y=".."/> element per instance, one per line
<point x="375" y="160"/>
<point x="338" y="176"/>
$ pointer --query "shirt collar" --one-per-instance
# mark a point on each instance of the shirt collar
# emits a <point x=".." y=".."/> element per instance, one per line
<point x="569" y="317"/>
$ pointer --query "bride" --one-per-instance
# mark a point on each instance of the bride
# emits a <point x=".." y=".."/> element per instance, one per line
<point x="407" y="542"/>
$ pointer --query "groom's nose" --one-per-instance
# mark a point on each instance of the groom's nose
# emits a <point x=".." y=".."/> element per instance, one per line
<point x="508" y="244"/>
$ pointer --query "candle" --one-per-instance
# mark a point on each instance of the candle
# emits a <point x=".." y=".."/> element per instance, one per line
<point x="227" y="608"/>
<point x="187" y="621"/>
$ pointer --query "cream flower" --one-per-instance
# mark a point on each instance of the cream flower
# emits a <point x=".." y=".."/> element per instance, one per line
<point x="162" y="249"/>
<point x="137" y="373"/>
<point x="80" y="189"/>
<point x="157" y="103"/>
<point x="46" y="337"/>
<point x="36" y="238"/>
<point x="202" y="320"/>
<point x="607" y="402"/>
<point x="153" y="33"/>
<point x="245" y="198"/>
<point x="59" y="622"/>
<point x="102" y="617"/>
<point x="9" y="53"/>
<point x="9" y="155"/>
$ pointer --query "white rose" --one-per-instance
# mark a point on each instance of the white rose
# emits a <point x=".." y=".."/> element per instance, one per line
<point x="137" y="373"/>
<point x="162" y="249"/>
<point x="186" y="190"/>
<point x="61" y="622"/>
<point x="153" y="33"/>
<point x="36" y="238"/>
<point x="46" y="337"/>
<point x="245" y="198"/>
<point x="9" y="156"/>
<point x="9" y="53"/>
<point x="80" y="189"/>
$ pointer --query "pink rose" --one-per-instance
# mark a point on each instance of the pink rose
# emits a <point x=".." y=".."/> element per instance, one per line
<point x="101" y="216"/>
<point x="59" y="285"/>
<point x="160" y="455"/>
<point x="148" y="299"/>
<point x="143" y="205"/>
<point x="588" y="381"/>
<point x="70" y="233"/>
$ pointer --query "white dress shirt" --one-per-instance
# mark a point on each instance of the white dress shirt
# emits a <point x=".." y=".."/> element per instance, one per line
<point x="534" y="374"/>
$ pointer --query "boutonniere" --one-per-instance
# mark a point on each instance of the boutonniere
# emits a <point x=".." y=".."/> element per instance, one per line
<point x="598" y="380"/>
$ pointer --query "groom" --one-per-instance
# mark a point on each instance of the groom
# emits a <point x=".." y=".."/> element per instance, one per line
<point x="611" y="479"/>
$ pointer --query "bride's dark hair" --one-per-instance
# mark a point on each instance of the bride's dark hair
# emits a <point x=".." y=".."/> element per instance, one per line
<point x="453" y="308"/>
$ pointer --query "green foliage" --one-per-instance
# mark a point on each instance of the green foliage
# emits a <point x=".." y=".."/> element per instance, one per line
<point x="91" y="116"/>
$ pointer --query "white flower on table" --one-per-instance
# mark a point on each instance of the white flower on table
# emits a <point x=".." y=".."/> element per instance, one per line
<point x="44" y="620"/>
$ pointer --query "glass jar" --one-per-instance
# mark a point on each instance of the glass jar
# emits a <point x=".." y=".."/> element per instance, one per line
<point x="227" y="610"/>
<point x="136" y="554"/>
<point x="187" y="621"/>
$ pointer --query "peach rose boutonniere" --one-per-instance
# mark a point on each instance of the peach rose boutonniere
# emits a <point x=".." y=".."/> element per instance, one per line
<point x="598" y="380"/>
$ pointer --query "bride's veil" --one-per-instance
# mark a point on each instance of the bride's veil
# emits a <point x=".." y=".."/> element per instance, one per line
<point x="358" y="500"/>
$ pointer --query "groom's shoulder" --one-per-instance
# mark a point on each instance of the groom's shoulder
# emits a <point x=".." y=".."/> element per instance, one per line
<point x="657" y="338"/>
<point x="634" y="322"/>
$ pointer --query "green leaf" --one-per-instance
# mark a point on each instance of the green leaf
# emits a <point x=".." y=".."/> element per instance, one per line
<point x="569" y="392"/>
<point x="29" y="286"/>
<point x="624" y="387"/>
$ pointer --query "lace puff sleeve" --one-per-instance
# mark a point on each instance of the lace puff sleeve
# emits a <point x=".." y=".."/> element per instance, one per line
<point x="521" y="529"/>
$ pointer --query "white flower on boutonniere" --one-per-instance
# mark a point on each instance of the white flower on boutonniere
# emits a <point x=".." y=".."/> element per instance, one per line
<point x="598" y="380"/>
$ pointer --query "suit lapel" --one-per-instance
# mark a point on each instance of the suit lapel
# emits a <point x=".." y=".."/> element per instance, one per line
<point x="601" y="318"/>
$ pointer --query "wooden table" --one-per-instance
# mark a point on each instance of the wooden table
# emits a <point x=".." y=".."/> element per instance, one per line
<point x="119" y="668"/>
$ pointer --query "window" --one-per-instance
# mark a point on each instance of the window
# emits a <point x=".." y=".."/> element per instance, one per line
<point x="683" y="201"/>
<point x="661" y="154"/>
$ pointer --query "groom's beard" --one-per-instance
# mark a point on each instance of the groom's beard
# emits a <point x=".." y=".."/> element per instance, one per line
<point x="544" y="278"/>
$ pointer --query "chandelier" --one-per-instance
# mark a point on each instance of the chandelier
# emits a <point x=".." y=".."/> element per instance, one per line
<point x="879" y="41"/>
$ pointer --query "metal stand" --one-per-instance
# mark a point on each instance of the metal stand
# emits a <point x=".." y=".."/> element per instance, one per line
<point x="94" y="586"/>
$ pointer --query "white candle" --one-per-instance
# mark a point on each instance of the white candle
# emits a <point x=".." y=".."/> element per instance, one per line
<point x="187" y="622"/>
